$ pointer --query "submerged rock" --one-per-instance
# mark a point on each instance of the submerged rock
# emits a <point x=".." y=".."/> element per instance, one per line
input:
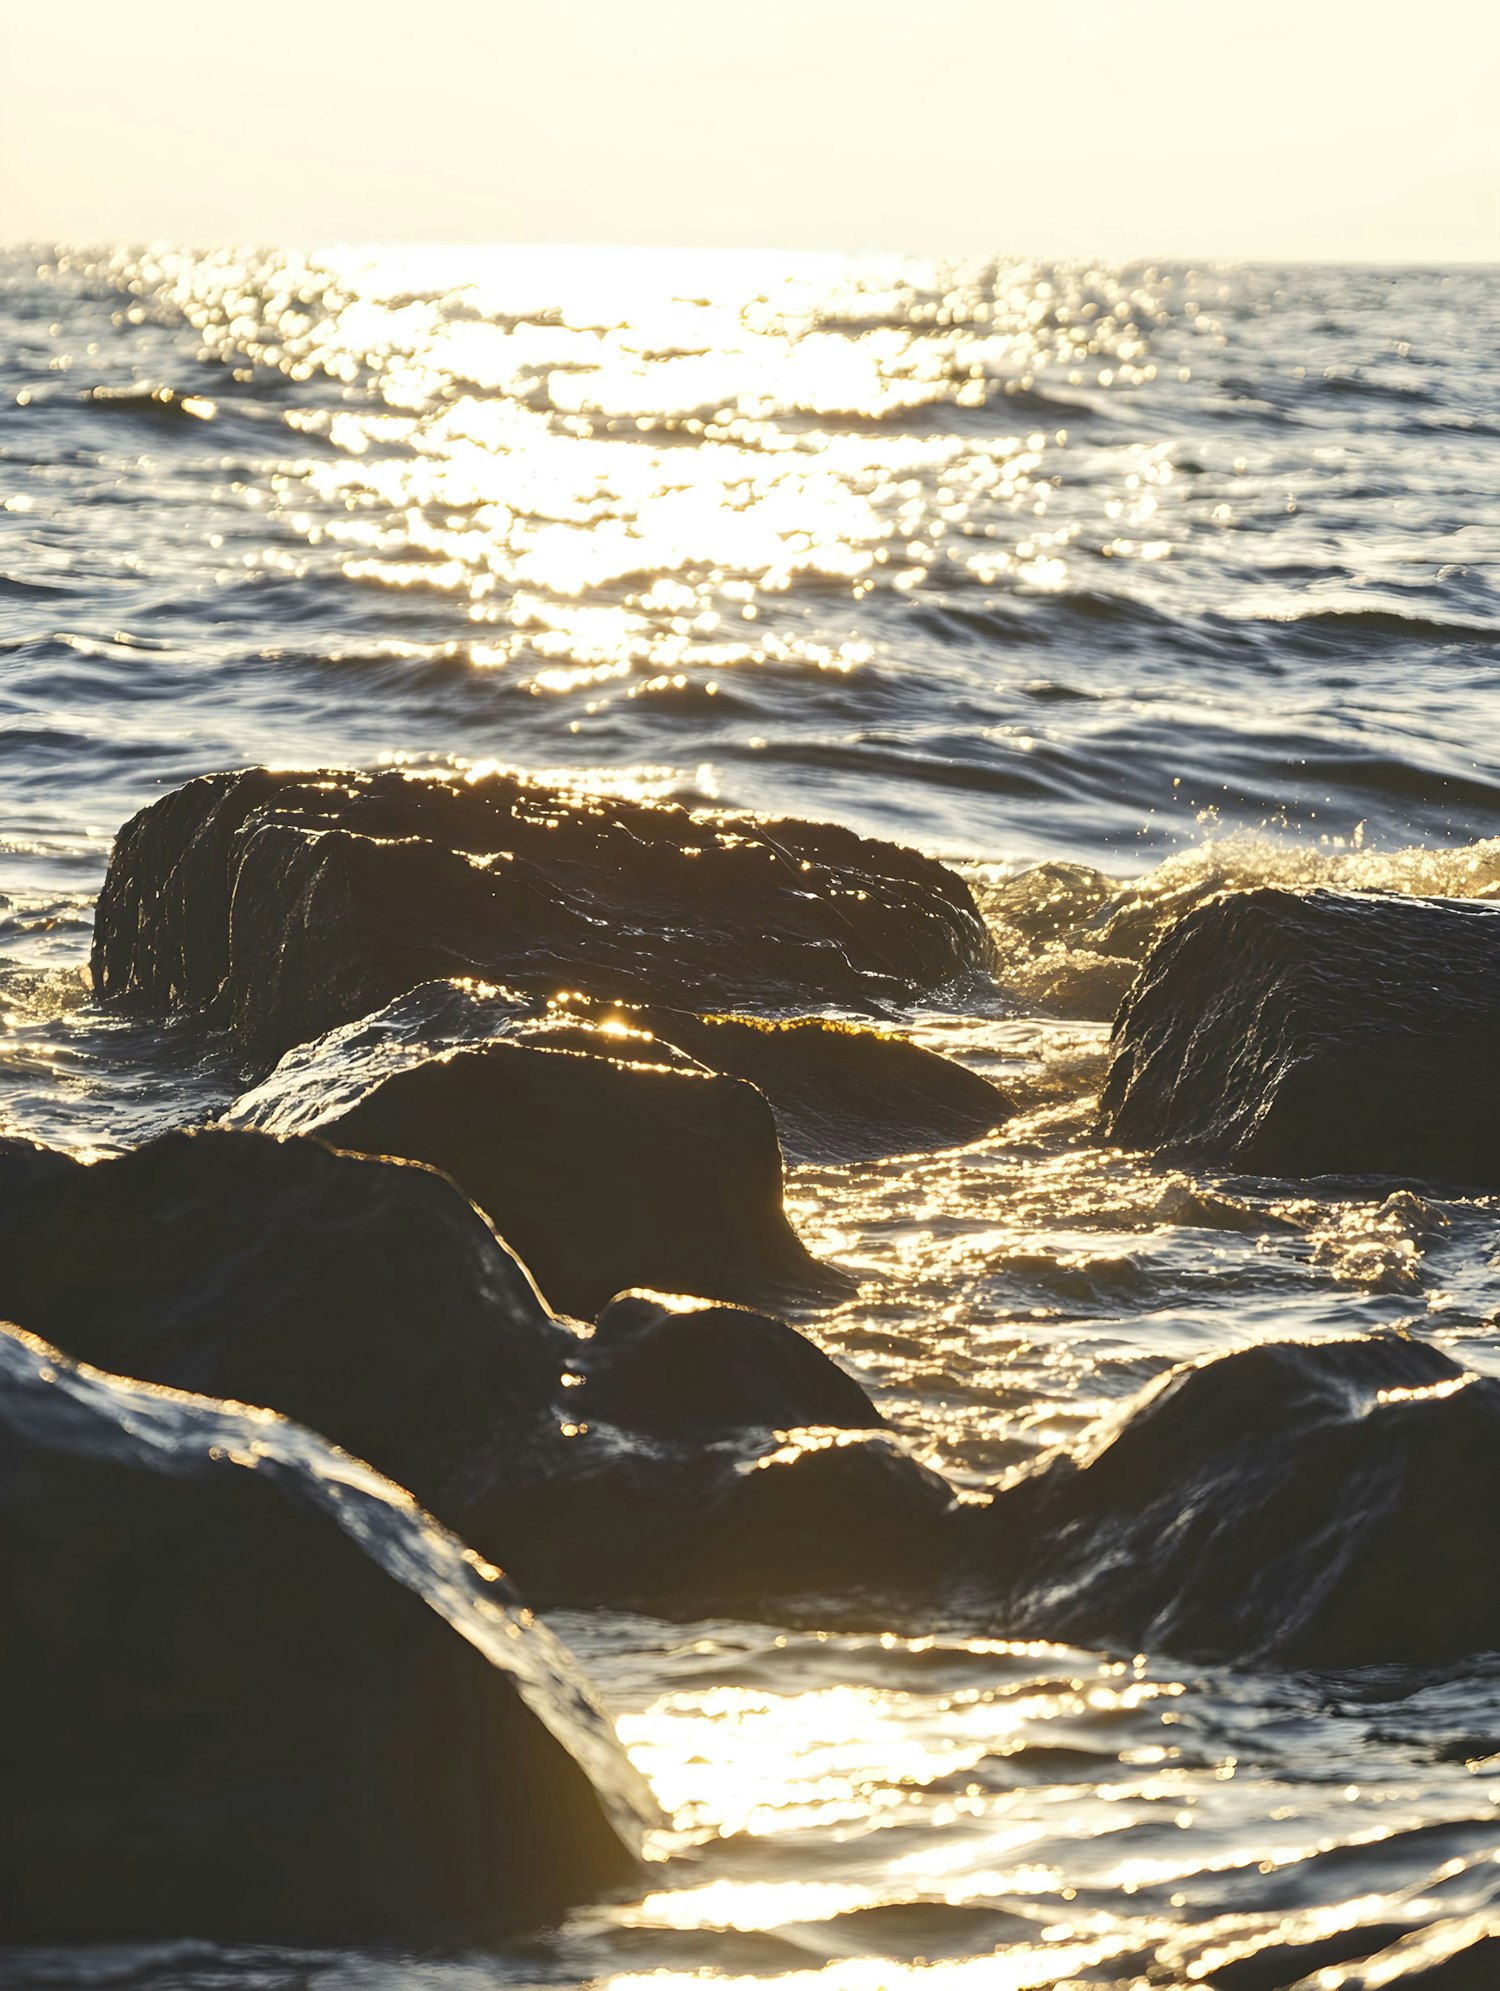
<point x="602" y="1167"/>
<point x="1326" y="1505"/>
<point x="279" y="905"/>
<point x="253" y="1694"/>
<point x="367" y="1299"/>
<point x="1318" y="1033"/>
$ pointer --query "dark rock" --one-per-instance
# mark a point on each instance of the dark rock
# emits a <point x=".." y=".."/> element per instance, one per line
<point x="845" y="1523"/>
<point x="317" y="1082"/>
<point x="23" y="1162"/>
<point x="602" y="1167"/>
<point x="1321" y="1505"/>
<point x="369" y="1299"/>
<point x="830" y="1513"/>
<point x="365" y="1298"/>
<point x="673" y="1368"/>
<point x="1318" y="1033"/>
<point x="280" y="905"/>
<point x="253" y="1694"/>
<point x="837" y="1092"/>
<point x="714" y="1459"/>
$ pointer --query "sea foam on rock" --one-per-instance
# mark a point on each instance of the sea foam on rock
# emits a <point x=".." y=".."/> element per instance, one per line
<point x="1317" y="1033"/>
<point x="1326" y="1504"/>
<point x="279" y="905"/>
<point x="254" y="1694"/>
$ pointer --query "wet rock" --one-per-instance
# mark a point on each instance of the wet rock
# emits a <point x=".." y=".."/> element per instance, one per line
<point x="280" y="905"/>
<point x="254" y="1695"/>
<point x="1318" y="1033"/>
<point x="317" y="1082"/>
<point x="601" y="1166"/>
<point x="1321" y="1505"/>
<point x="714" y="1459"/>
<point x="23" y="1162"/>
<point x="840" y="1093"/>
<point x="828" y="1513"/>
<point x="837" y="1092"/>
<point x="841" y="1521"/>
<point x="673" y="1368"/>
<point x="368" y="1299"/>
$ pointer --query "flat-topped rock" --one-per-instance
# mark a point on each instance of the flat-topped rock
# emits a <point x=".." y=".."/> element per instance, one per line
<point x="1317" y="1033"/>
<point x="279" y="905"/>
<point x="255" y="1695"/>
<point x="839" y="1092"/>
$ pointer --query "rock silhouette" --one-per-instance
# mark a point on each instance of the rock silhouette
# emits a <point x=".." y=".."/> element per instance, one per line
<point x="600" y="1165"/>
<point x="1325" y="1505"/>
<point x="836" y="1522"/>
<point x="24" y="1162"/>
<point x="837" y="1092"/>
<point x="367" y="1299"/>
<point x="280" y="905"/>
<point x="671" y="1368"/>
<point x="256" y="1695"/>
<point x="1318" y="1033"/>
<point x="1305" y="1505"/>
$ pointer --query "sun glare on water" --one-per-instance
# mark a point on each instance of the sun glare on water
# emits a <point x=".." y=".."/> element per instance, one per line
<point x="614" y="463"/>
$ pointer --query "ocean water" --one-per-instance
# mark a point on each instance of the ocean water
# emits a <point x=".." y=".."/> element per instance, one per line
<point x="1113" y="586"/>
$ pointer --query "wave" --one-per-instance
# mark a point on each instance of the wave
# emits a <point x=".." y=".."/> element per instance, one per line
<point x="13" y="587"/>
<point x="1385" y="622"/>
<point x="1069" y="938"/>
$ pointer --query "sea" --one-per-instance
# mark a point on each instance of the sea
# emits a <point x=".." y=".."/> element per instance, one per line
<point x="1112" y="586"/>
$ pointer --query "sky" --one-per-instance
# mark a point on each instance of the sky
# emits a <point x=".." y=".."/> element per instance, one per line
<point x="1360" y="130"/>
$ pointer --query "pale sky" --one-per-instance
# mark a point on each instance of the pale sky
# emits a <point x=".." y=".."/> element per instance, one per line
<point x="1356" y="129"/>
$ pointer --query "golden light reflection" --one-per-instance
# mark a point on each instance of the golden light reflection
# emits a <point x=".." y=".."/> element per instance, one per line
<point x="621" y="466"/>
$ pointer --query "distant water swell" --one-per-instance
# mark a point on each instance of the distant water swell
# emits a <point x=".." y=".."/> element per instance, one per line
<point x="1114" y="586"/>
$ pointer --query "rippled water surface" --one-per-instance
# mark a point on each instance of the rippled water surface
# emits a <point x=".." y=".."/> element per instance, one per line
<point x="1115" y="586"/>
